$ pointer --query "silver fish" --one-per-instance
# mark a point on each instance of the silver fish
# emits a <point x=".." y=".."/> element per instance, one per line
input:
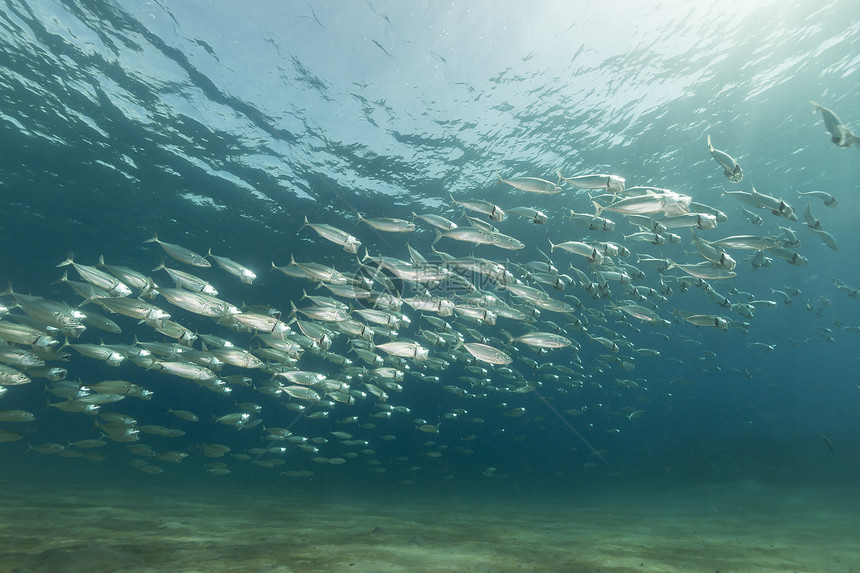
<point x="490" y="210"/>
<point x="839" y="134"/>
<point x="531" y="184"/>
<point x="487" y="353"/>
<point x="179" y="253"/>
<point x="731" y="169"/>
<point x="349" y="243"/>
<point x="239" y="271"/>
<point x="389" y="224"/>
<point x="612" y="183"/>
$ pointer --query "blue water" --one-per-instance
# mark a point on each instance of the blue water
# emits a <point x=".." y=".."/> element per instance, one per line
<point x="223" y="125"/>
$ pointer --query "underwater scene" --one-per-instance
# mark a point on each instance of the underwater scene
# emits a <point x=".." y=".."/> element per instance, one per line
<point x="429" y="286"/>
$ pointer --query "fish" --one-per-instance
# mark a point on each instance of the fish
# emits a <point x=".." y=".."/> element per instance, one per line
<point x="98" y="277"/>
<point x="405" y="350"/>
<point x="591" y="254"/>
<point x="17" y="416"/>
<point x="839" y="133"/>
<point x="349" y="243"/>
<point x="750" y="242"/>
<point x="743" y="197"/>
<point x="612" y="183"/>
<point x="776" y="206"/>
<point x="592" y="222"/>
<point x="492" y="211"/>
<point x="714" y="321"/>
<point x="487" y="353"/>
<point x="642" y="313"/>
<point x="11" y="377"/>
<point x="531" y="184"/>
<point x="481" y="237"/>
<point x="535" y="216"/>
<point x="754" y="218"/>
<point x="187" y="281"/>
<point x="243" y="273"/>
<point x="701" y="221"/>
<point x="389" y="224"/>
<point x="180" y="253"/>
<point x="828" y="199"/>
<point x="731" y="169"/>
<point x="666" y="202"/>
<point x="437" y="221"/>
<point x="826" y="238"/>
<point x="9" y="436"/>
<point x="198" y="302"/>
<point x="127" y="275"/>
<point x="715" y="254"/>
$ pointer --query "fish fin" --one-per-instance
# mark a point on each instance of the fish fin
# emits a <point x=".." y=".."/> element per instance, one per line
<point x="101" y="262"/>
<point x="70" y="260"/>
<point x="62" y="279"/>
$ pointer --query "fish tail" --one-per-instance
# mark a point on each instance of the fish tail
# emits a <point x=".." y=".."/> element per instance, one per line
<point x="154" y="238"/>
<point x="8" y="290"/>
<point x="101" y="262"/>
<point x="305" y="224"/>
<point x="62" y="279"/>
<point x="160" y="266"/>
<point x="499" y="178"/>
<point x="560" y="176"/>
<point x="70" y="260"/>
<point x="598" y="209"/>
<point x="551" y="246"/>
<point x="439" y="235"/>
<point x="150" y="288"/>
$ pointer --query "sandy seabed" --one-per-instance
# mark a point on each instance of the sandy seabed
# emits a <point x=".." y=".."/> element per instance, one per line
<point x="735" y="527"/>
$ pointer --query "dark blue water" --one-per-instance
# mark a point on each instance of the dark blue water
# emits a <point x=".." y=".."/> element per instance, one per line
<point x="223" y="126"/>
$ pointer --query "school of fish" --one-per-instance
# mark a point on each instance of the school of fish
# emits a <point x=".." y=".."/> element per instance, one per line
<point x="338" y="359"/>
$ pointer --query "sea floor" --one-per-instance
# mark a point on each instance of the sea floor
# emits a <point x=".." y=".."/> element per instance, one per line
<point x="63" y="525"/>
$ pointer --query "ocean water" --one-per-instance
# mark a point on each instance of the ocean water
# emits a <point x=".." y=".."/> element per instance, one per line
<point x="224" y="126"/>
